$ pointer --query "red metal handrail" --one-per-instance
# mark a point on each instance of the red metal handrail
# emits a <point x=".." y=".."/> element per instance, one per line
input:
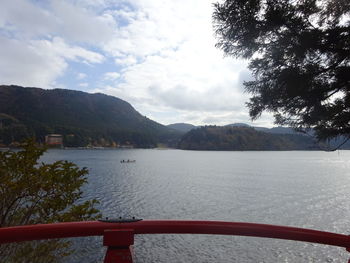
<point x="124" y="231"/>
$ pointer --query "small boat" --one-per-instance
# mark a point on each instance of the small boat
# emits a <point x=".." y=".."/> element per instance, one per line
<point x="118" y="234"/>
<point x="128" y="161"/>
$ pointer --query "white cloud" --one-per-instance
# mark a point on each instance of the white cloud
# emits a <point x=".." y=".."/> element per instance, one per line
<point x="77" y="23"/>
<point x="60" y="18"/>
<point x="84" y="84"/>
<point x="75" y="53"/>
<point x="165" y="60"/>
<point x="39" y="62"/>
<point x="34" y="44"/>
<point x="126" y="60"/>
<point x="24" y="64"/>
<point x="81" y="76"/>
<point x="173" y="61"/>
<point x="25" y="17"/>
<point x="111" y="76"/>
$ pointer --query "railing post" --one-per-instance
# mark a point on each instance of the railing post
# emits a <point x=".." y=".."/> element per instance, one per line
<point x="119" y="242"/>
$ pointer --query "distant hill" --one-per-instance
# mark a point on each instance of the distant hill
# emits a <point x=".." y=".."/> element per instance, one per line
<point x="186" y="127"/>
<point x="182" y="127"/>
<point x="242" y="138"/>
<point x="331" y="144"/>
<point x="81" y="117"/>
<point x="238" y="124"/>
<point x="277" y="130"/>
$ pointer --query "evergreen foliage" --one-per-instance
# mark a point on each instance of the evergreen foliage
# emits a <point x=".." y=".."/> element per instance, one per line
<point x="300" y="58"/>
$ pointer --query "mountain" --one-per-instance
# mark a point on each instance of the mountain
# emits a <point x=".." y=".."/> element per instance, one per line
<point x="238" y="124"/>
<point x="186" y="127"/>
<point x="277" y="130"/>
<point x="82" y="118"/>
<point x="331" y="144"/>
<point x="182" y="127"/>
<point x="242" y="138"/>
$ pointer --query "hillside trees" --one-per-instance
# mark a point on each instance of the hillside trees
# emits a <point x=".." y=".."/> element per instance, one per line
<point x="299" y="55"/>
<point x="81" y="118"/>
<point x="227" y="138"/>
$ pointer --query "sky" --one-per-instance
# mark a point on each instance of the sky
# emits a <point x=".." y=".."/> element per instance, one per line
<point x="158" y="55"/>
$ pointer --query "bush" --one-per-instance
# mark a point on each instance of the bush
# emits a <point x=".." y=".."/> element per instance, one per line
<point x="34" y="193"/>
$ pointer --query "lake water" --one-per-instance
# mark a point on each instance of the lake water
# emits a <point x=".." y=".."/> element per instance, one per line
<point x="298" y="188"/>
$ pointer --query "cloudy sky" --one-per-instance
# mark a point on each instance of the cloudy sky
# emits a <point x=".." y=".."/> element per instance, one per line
<point x="159" y="55"/>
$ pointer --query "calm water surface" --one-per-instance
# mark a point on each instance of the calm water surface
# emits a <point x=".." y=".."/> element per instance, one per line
<point x="297" y="188"/>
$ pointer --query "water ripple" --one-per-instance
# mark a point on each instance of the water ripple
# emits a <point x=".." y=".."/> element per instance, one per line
<point x="302" y="189"/>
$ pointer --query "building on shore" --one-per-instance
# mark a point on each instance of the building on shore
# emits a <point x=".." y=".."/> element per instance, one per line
<point x="55" y="140"/>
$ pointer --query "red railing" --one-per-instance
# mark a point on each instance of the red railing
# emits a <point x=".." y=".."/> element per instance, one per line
<point x="119" y="236"/>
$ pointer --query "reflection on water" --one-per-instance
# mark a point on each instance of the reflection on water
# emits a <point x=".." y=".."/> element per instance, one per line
<point x="298" y="188"/>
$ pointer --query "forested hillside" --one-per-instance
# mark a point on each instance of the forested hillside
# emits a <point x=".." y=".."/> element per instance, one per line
<point x="82" y="118"/>
<point x="243" y="138"/>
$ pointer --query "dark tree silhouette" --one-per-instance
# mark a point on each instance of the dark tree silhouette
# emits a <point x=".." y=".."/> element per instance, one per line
<point x="299" y="53"/>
